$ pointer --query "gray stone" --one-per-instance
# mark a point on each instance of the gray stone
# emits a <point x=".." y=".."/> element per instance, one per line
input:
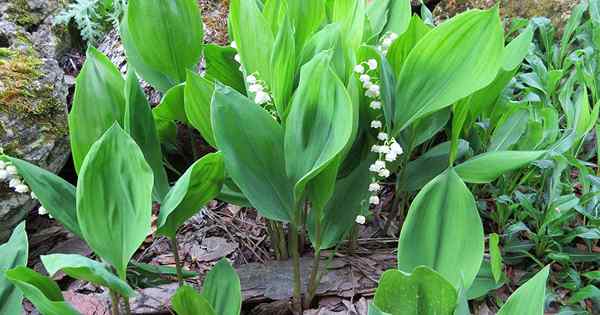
<point x="33" y="96"/>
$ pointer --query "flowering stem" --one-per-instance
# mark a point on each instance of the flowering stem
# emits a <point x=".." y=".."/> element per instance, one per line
<point x="114" y="303"/>
<point x="127" y="306"/>
<point x="297" y="301"/>
<point x="178" y="265"/>
<point x="313" y="283"/>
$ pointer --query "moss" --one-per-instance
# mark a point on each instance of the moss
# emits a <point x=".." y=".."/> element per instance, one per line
<point x="20" y="13"/>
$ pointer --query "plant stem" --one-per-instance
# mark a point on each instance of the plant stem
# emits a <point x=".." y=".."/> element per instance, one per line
<point x="353" y="239"/>
<point x="297" y="301"/>
<point x="274" y="239"/>
<point x="313" y="283"/>
<point x="178" y="265"/>
<point x="114" y="303"/>
<point x="127" y="306"/>
<point x="282" y="241"/>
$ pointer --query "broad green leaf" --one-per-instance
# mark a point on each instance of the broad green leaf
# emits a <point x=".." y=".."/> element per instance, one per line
<point x="377" y="17"/>
<point x="449" y="63"/>
<point x="283" y="61"/>
<point x="41" y="291"/>
<point x="172" y="105"/>
<point x="139" y="122"/>
<point x="348" y="200"/>
<point x="166" y="34"/>
<point x="486" y="167"/>
<point x="114" y="198"/>
<point x="82" y="268"/>
<point x="484" y="282"/>
<point x="399" y="16"/>
<point x="254" y="157"/>
<point x="187" y="301"/>
<point x="510" y="131"/>
<point x="374" y="310"/>
<point x="98" y="102"/>
<point x="443" y="231"/>
<point x="198" y="185"/>
<point x="160" y="81"/>
<point x="429" y="165"/>
<point x="54" y="193"/>
<point x="423" y="129"/>
<point x="423" y="292"/>
<point x="222" y="289"/>
<point x="319" y="124"/>
<point x="307" y="17"/>
<point x="222" y="67"/>
<point x="402" y="46"/>
<point x="588" y="292"/>
<point x="529" y="298"/>
<point x="517" y="50"/>
<point x="253" y="37"/>
<point x="12" y="254"/>
<point x="231" y="193"/>
<point x="198" y="95"/>
<point x="495" y="257"/>
<point x="351" y="14"/>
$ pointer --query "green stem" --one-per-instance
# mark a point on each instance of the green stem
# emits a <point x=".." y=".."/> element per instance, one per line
<point x="114" y="303"/>
<point x="178" y="265"/>
<point x="282" y="241"/>
<point x="127" y="306"/>
<point x="313" y="283"/>
<point x="274" y="239"/>
<point x="353" y="239"/>
<point x="297" y="301"/>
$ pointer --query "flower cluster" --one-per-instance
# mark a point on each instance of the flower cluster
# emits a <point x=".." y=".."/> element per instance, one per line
<point x="386" y="42"/>
<point x="9" y="173"/>
<point x="387" y="148"/>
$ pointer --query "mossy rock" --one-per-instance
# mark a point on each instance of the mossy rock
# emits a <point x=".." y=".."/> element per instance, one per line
<point x="33" y="114"/>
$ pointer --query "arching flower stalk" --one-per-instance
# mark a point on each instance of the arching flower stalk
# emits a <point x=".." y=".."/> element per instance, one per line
<point x="10" y="175"/>
<point x="386" y="42"/>
<point x="387" y="149"/>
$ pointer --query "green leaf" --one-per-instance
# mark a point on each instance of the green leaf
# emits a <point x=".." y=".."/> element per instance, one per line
<point x="449" y="63"/>
<point x="423" y="292"/>
<point x="484" y="282"/>
<point x="509" y="132"/>
<point x="517" y="50"/>
<point x="98" y="102"/>
<point x="199" y="184"/>
<point x="83" y="268"/>
<point x="114" y="198"/>
<point x="222" y="289"/>
<point x="486" y="167"/>
<point x="529" y="298"/>
<point x="587" y="292"/>
<point x="41" y="291"/>
<point x="283" y="61"/>
<point x="377" y="17"/>
<point x="399" y="16"/>
<point x="222" y="67"/>
<point x="495" y="257"/>
<point x="443" y="231"/>
<point x="307" y="16"/>
<point x="187" y="301"/>
<point x="160" y="81"/>
<point x="374" y="310"/>
<point x="139" y="122"/>
<point x="198" y="95"/>
<point x="319" y="125"/>
<point x="253" y="156"/>
<point x="54" y="193"/>
<point x="13" y="254"/>
<point x="402" y="46"/>
<point x="172" y="105"/>
<point x="166" y="34"/>
<point x="253" y="37"/>
<point x="351" y="15"/>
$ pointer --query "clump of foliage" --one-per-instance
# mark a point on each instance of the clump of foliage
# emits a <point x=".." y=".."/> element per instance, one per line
<point x="92" y="17"/>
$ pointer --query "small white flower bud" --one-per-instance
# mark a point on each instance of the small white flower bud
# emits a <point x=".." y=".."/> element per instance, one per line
<point x="262" y="98"/>
<point x="382" y="136"/>
<point x="376" y="124"/>
<point x="374" y="187"/>
<point x="14" y="182"/>
<point x="21" y="189"/>
<point x="387" y="42"/>
<point x="233" y="44"/>
<point x="393" y="36"/>
<point x="42" y="211"/>
<point x="372" y="64"/>
<point x="12" y="170"/>
<point x="237" y="58"/>
<point x="360" y="219"/>
<point x="374" y="200"/>
<point x="33" y="195"/>
<point x="359" y="69"/>
<point x="375" y="105"/>
<point x="365" y="78"/>
<point x="251" y="79"/>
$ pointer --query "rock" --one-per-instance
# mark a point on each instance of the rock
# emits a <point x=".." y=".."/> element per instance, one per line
<point x="33" y="96"/>
<point x="557" y="10"/>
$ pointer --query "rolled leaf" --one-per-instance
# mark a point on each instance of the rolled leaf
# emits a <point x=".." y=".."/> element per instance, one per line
<point x="529" y="298"/>
<point x="98" y="102"/>
<point x="199" y="184"/>
<point x="486" y="167"/>
<point x="187" y="301"/>
<point x="254" y="157"/>
<point x="139" y="122"/>
<point x="449" y="63"/>
<point x="166" y="34"/>
<point x="114" y="198"/>
<point x="41" y="291"/>
<point x="82" y="268"/>
<point x="54" y="193"/>
<point x="319" y="124"/>
<point x="222" y="289"/>
<point x="423" y="292"/>
<point x="12" y="254"/>
<point x="284" y="61"/>
<point x="443" y="231"/>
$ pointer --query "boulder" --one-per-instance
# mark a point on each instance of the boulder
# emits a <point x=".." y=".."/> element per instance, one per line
<point x="33" y="96"/>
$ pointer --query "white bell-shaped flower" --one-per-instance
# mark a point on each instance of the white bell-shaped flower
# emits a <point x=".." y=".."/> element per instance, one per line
<point x="233" y="45"/>
<point x="42" y="211"/>
<point x="395" y="147"/>
<point x="237" y="58"/>
<point x="262" y="98"/>
<point x="255" y="88"/>
<point x="374" y="187"/>
<point x="374" y="200"/>
<point x="360" y="219"/>
<point x="12" y="170"/>
<point x="391" y="156"/>
<point x="3" y="165"/>
<point x="365" y="78"/>
<point x="376" y="124"/>
<point x="372" y="64"/>
<point x="382" y="136"/>
<point x="14" y="182"/>
<point x="4" y="175"/>
<point x="359" y="69"/>
<point x="251" y="79"/>
<point x="22" y="188"/>
<point x="384" y="172"/>
<point x="375" y="105"/>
